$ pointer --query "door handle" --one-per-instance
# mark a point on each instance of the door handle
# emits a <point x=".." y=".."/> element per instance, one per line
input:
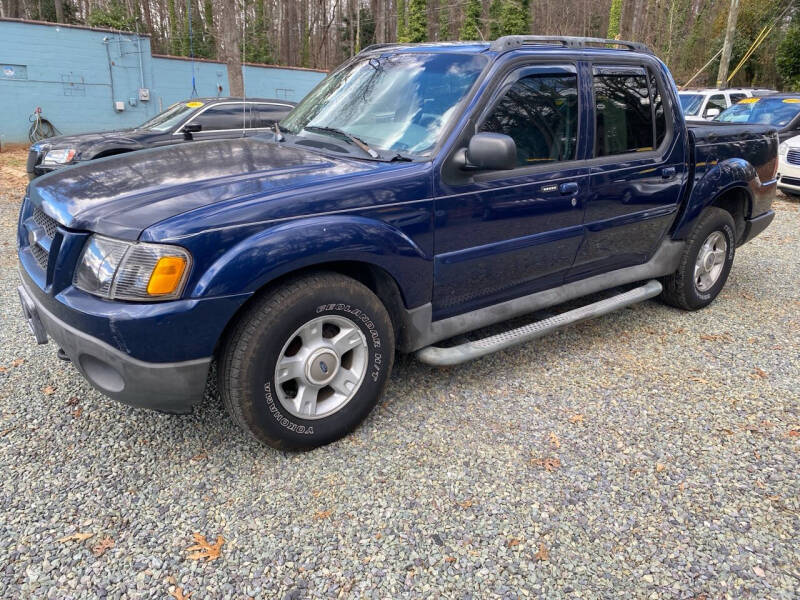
<point x="568" y="189"/>
<point x="667" y="172"/>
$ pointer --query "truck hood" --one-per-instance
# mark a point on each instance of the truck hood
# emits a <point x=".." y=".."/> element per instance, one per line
<point x="124" y="194"/>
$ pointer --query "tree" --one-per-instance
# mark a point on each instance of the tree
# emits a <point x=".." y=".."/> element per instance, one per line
<point x="417" y="22"/>
<point x="495" y="19"/>
<point x="514" y="17"/>
<point x="444" y="23"/>
<point x="471" y="28"/>
<point x="401" y="21"/>
<point x="230" y="36"/>
<point x="115" y="16"/>
<point x="614" y="17"/>
<point x="788" y="57"/>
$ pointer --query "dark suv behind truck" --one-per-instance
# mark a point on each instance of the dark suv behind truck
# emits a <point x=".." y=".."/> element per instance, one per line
<point x="419" y="192"/>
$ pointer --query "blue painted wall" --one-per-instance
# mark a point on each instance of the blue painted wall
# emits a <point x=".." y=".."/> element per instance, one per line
<point x="76" y="75"/>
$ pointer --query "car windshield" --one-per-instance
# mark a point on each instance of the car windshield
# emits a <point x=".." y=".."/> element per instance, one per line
<point x="397" y="103"/>
<point x="172" y="116"/>
<point x="691" y="103"/>
<point x="768" y="111"/>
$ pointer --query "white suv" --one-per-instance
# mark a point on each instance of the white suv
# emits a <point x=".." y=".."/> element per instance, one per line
<point x="789" y="166"/>
<point x="705" y="104"/>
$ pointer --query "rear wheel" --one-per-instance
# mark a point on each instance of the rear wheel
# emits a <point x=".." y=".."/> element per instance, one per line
<point x="705" y="263"/>
<point x="307" y="362"/>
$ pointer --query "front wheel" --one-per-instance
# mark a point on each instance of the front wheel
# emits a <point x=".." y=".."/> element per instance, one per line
<point x="705" y="263"/>
<point x="307" y="362"/>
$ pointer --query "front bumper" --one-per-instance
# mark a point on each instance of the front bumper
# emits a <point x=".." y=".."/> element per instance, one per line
<point x="789" y="177"/>
<point x="163" y="386"/>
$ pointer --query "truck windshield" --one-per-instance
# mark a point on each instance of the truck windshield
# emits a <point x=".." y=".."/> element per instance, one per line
<point x="398" y="103"/>
<point x="768" y="111"/>
<point x="691" y="103"/>
<point x="172" y="116"/>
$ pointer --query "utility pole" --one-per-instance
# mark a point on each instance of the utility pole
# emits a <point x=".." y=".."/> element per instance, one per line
<point x="722" y="76"/>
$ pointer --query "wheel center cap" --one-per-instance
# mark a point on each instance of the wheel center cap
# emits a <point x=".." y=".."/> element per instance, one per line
<point x="322" y="366"/>
<point x="708" y="261"/>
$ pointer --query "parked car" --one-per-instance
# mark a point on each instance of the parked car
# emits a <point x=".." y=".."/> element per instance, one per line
<point x="417" y="193"/>
<point x="185" y="121"/>
<point x="782" y="111"/>
<point x="705" y="104"/>
<point x="789" y="166"/>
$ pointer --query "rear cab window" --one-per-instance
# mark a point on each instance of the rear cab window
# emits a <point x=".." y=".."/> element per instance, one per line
<point x="629" y="111"/>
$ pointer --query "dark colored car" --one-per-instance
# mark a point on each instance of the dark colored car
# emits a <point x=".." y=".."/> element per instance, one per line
<point x="782" y="111"/>
<point x="417" y="193"/>
<point x="194" y="119"/>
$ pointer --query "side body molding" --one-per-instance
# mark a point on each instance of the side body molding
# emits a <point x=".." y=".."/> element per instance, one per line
<point x="280" y="249"/>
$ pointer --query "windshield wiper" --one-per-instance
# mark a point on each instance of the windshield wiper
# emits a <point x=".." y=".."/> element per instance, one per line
<point x="349" y="136"/>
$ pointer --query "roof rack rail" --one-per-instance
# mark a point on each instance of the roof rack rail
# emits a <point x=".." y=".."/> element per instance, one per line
<point x="512" y="42"/>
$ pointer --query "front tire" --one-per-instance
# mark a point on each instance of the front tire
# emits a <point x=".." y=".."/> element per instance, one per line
<point x="307" y="362"/>
<point x="705" y="263"/>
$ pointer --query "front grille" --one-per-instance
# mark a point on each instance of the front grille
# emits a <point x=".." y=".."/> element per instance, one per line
<point x="48" y="223"/>
<point x="40" y="255"/>
<point x="793" y="157"/>
<point x="790" y="180"/>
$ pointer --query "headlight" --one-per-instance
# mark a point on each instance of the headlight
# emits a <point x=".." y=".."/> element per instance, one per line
<point x="783" y="149"/>
<point x="121" y="270"/>
<point x="59" y="157"/>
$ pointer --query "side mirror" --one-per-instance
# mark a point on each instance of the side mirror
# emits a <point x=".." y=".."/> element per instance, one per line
<point x="712" y="112"/>
<point x="191" y="128"/>
<point x="488" y="151"/>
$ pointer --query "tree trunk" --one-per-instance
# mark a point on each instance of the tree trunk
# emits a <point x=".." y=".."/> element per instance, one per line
<point x="59" y="10"/>
<point x="231" y="38"/>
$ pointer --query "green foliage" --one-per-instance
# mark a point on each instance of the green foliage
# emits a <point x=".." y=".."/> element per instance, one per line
<point x="116" y="16"/>
<point x="444" y="23"/>
<point x="495" y="15"/>
<point x="257" y="47"/>
<point x="470" y="29"/>
<point x="401" y="21"/>
<point x="417" y="23"/>
<point x="46" y="11"/>
<point x="788" y="57"/>
<point x="174" y="41"/>
<point x="515" y="16"/>
<point x="614" y="16"/>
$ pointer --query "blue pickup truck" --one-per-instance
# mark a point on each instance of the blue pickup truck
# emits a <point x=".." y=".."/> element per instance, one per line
<point x="418" y="193"/>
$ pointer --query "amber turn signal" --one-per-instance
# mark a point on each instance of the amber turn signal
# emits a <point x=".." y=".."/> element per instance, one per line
<point x="167" y="275"/>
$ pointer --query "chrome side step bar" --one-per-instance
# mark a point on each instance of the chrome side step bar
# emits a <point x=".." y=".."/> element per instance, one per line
<point x="441" y="357"/>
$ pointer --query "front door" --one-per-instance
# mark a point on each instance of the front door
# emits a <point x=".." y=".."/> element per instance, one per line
<point x="502" y="234"/>
<point x="636" y="175"/>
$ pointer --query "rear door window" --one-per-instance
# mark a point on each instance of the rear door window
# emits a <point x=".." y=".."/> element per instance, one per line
<point x="266" y="115"/>
<point x="222" y="116"/>
<point x="539" y="111"/>
<point x="624" y="119"/>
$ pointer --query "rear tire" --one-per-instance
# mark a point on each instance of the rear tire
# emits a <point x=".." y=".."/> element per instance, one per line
<point x="705" y="263"/>
<point x="307" y="362"/>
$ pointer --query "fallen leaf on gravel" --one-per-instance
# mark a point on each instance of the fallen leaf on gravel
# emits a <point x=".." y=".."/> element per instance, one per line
<point x="548" y="464"/>
<point x="660" y="467"/>
<point x="759" y="373"/>
<point x="450" y="559"/>
<point x="100" y="548"/>
<point x="17" y="362"/>
<point x="576" y="419"/>
<point x="513" y="542"/>
<point x="75" y="537"/>
<point x="465" y="503"/>
<point x="554" y="440"/>
<point x="793" y="433"/>
<point x="179" y="595"/>
<point x="3" y="369"/>
<point x="49" y="390"/>
<point x="73" y="401"/>
<point x="681" y="486"/>
<point x="698" y="379"/>
<point x="323" y="514"/>
<point x="76" y="412"/>
<point x="5" y="432"/>
<point x="202" y="550"/>
<point x="543" y="553"/>
<point x="200" y="456"/>
<point x="716" y="337"/>
<point x="759" y="571"/>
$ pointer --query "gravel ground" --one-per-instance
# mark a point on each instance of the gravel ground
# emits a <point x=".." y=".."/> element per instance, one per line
<point x="651" y="453"/>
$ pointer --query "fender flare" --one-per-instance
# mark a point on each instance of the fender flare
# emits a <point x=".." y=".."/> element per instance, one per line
<point x="283" y="248"/>
<point x="730" y="174"/>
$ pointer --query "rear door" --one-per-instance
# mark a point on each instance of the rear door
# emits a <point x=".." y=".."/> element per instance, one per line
<point x="637" y="170"/>
<point x="223" y="120"/>
<point x="502" y="234"/>
<point x="264" y="115"/>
